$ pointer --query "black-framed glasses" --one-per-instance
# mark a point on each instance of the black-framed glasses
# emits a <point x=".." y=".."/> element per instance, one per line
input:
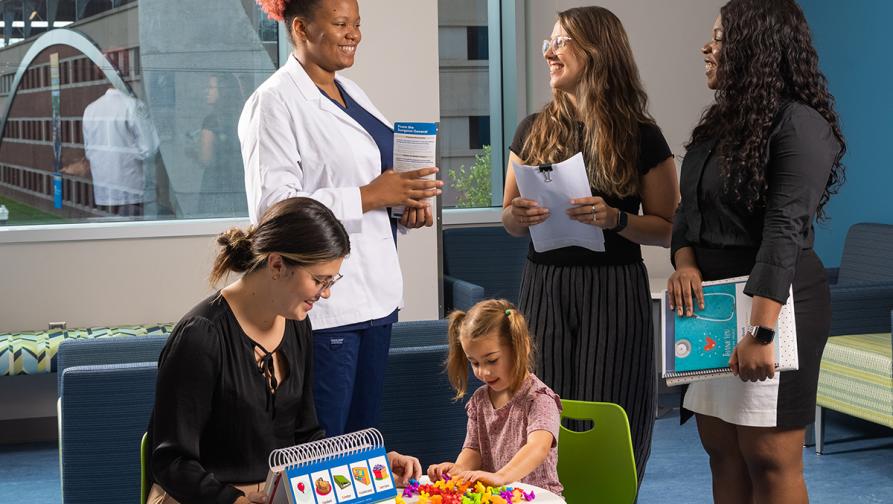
<point x="555" y="43"/>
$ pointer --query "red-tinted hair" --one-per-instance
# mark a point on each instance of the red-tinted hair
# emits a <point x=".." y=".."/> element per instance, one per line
<point x="275" y="9"/>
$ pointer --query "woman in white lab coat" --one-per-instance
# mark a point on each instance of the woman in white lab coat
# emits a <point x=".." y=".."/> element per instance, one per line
<point x="307" y="131"/>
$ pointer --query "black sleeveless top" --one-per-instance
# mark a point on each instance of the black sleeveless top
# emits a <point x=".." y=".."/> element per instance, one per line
<point x="653" y="149"/>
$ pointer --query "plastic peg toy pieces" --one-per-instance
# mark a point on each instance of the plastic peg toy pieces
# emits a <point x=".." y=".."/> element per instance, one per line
<point x="457" y="491"/>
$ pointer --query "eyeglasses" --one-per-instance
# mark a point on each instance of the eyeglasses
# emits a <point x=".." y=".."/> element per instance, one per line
<point x="556" y="44"/>
<point x="324" y="283"/>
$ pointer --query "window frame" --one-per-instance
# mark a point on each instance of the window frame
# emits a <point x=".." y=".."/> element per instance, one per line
<point x="122" y="230"/>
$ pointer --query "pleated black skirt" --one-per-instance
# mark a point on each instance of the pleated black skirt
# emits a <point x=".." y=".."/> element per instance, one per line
<point x="593" y="331"/>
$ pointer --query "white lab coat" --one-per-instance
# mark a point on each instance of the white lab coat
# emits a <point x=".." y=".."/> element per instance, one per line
<point x="296" y="142"/>
<point x="118" y="139"/>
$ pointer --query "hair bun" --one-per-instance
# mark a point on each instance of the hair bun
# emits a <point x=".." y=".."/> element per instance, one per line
<point x="237" y="248"/>
<point x="275" y="9"/>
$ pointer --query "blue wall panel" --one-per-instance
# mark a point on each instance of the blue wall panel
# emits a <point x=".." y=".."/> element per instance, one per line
<point x="856" y="54"/>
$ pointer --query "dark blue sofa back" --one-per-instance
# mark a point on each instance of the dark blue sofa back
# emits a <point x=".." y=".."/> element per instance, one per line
<point x="486" y="256"/>
<point x="867" y="255"/>
<point x="105" y="410"/>
<point x="116" y="350"/>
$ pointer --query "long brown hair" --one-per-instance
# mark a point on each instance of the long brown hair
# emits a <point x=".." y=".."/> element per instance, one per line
<point x="302" y="230"/>
<point x="481" y="320"/>
<point x="611" y="105"/>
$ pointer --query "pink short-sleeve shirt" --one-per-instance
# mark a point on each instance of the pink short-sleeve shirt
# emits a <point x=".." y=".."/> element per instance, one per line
<point x="498" y="434"/>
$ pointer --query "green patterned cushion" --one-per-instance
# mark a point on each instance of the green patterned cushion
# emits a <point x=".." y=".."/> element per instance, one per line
<point x="856" y="377"/>
<point x="35" y="352"/>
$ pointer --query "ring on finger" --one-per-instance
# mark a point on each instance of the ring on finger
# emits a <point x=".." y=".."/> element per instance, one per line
<point x="594" y="209"/>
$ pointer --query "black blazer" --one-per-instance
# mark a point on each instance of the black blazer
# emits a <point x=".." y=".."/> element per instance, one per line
<point x="802" y="151"/>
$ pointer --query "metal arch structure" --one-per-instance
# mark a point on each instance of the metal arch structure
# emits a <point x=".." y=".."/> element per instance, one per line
<point x="67" y="37"/>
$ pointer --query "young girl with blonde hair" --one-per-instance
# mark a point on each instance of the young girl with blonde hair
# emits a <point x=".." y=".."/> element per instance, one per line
<point x="513" y="418"/>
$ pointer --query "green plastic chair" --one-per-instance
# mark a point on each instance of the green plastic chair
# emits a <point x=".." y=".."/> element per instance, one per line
<point x="144" y="453"/>
<point x="597" y="465"/>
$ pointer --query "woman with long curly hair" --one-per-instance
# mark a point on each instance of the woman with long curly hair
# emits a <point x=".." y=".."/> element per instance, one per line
<point x="760" y="167"/>
<point x="590" y="312"/>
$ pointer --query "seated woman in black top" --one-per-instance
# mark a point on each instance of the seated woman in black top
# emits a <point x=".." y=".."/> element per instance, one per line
<point x="235" y="377"/>
<point x="591" y="311"/>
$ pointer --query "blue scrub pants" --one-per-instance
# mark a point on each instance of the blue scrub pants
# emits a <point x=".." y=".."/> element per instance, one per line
<point x="349" y="367"/>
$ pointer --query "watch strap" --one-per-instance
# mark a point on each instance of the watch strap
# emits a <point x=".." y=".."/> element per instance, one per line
<point x="622" y="221"/>
<point x="762" y="334"/>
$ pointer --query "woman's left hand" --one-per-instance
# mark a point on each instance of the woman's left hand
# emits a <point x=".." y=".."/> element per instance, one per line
<point x="488" y="478"/>
<point x="752" y="360"/>
<point x="404" y="467"/>
<point x="593" y="210"/>
<point x="414" y="218"/>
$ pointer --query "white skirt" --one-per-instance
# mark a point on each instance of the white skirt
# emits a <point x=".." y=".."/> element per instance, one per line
<point x="750" y="404"/>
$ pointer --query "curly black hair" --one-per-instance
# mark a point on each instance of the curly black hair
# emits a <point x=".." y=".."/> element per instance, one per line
<point x="767" y="59"/>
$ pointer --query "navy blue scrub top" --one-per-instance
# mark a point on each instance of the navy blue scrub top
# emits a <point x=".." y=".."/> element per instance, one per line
<point x="384" y="139"/>
<point x="380" y="132"/>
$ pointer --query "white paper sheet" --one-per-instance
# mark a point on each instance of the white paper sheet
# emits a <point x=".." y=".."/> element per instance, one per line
<point x="554" y="190"/>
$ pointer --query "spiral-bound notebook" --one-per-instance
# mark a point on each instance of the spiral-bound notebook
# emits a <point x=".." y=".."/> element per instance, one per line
<point x="351" y="468"/>
<point x="699" y="347"/>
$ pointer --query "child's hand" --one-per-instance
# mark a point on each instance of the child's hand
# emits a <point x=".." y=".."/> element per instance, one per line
<point x="492" y="479"/>
<point x="436" y="471"/>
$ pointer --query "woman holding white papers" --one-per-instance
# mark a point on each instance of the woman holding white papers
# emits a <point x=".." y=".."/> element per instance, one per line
<point x="590" y="311"/>
<point x="760" y="167"/>
<point x="308" y="131"/>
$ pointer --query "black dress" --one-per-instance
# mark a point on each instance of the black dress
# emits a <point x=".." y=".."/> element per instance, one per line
<point x="590" y="313"/>
<point x="215" y="420"/>
<point x="774" y="247"/>
<point x="223" y="180"/>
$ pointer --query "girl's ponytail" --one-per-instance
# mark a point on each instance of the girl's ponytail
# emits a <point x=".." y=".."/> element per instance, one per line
<point x="519" y="337"/>
<point x="457" y="363"/>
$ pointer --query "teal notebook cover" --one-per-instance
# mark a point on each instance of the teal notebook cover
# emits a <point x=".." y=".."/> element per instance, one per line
<point x="699" y="347"/>
<point x="706" y="340"/>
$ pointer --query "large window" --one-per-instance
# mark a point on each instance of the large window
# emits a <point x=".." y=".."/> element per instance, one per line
<point x="470" y="162"/>
<point x="126" y="110"/>
<point x="479" y="88"/>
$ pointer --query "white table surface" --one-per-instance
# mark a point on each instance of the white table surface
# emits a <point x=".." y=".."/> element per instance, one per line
<point x="543" y="496"/>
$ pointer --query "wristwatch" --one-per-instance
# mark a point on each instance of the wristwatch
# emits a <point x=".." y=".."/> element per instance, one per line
<point x="622" y="221"/>
<point x="763" y="335"/>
